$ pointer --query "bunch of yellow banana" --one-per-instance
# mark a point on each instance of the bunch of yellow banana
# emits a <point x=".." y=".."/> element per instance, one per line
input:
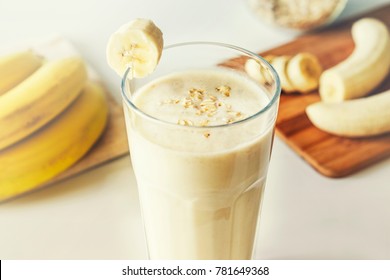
<point x="298" y="73"/>
<point x="50" y="116"/>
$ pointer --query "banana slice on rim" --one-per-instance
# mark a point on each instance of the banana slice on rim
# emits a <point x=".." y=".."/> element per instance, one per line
<point x="304" y="71"/>
<point x="138" y="45"/>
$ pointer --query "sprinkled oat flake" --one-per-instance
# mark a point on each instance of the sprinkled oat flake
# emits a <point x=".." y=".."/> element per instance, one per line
<point x="208" y="105"/>
<point x="225" y="90"/>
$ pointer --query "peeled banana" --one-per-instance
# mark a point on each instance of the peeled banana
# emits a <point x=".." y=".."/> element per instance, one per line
<point x="364" y="69"/>
<point x="39" y="98"/>
<point x="353" y="118"/>
<point x="138" y="45"/>
<point x="16" y="67"/>
<point x="56" y="146"/>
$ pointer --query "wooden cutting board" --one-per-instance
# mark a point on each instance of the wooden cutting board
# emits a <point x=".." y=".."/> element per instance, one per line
<point x="332" y="156"/>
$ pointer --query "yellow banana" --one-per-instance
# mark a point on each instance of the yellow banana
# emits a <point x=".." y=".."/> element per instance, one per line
<point x="56" y="146"/>
<point x="39" y="98"/>
<point x="16" y="67"/>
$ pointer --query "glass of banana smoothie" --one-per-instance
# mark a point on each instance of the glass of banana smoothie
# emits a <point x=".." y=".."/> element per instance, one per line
<point x="200" y="134"/>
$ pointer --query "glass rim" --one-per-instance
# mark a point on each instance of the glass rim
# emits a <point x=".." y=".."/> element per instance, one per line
<point x="272" y="101"/>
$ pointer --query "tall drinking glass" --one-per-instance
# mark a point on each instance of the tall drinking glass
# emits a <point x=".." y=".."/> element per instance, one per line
<point x="201" y="182"/>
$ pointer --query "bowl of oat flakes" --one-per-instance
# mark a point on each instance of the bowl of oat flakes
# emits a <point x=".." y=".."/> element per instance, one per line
<point x="298" y="14"/>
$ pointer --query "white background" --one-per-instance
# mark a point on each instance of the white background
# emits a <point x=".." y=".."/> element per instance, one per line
<point x="113" y="270"/>
<point x="96" y="215"/>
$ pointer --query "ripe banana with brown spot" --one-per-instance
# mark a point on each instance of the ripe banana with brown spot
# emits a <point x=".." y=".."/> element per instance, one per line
<point x="364" y="69"/>
<point x="361" y="117"/>
<point x="55" y="147"/>
<point x="39" y="98"/>
<point x="16" y="67"/>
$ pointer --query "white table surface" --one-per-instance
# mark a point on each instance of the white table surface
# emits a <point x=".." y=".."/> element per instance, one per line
<point x="96" y="215"/>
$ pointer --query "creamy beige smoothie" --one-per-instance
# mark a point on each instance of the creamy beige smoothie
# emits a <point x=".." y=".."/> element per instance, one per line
<point x="201" y="174"/>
